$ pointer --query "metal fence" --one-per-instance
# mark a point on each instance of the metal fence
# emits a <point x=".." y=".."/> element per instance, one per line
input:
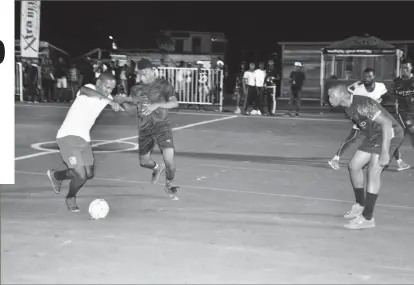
<point x="18" y="81"/>
<point x="195" y="86"/>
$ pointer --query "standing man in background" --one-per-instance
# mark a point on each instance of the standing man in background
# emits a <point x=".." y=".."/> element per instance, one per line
<point x="260" y="75"/>
<point x="238" y="89"/>
<point x="297" y="78"/>
<point x="249" y="88"/>
<point x="271" y="86"/>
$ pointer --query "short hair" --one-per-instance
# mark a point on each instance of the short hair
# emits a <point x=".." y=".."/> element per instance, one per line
<point x="106" y="76"/>
<point x="406" y="61"/>
<point x="368" y="70"/>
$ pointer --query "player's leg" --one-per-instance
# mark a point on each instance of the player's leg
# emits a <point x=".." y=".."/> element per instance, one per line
<point x="334" y="162"/>
<point x="247" y="99"/>
<point x="356" y="164"/>
<point x="291" y="101"/>
<point x="298" y="101"/>
<point x="165" y="142"/>
<point x="146" y="144"/>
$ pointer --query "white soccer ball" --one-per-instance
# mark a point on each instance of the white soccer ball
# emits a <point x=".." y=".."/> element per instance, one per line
<point x="98" y="209"/>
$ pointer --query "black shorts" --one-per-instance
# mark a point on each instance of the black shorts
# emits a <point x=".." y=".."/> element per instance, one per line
<point x="75" y="151"/>
<point x="375" y="147"/>
<point x="156" y="134"/>
<point x="405" y="119"/>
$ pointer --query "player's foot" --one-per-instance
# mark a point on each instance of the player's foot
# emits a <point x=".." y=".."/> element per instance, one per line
<point x="287" y="114"/>
<point x="334" y="163"/>
<point x="258" y="113"/>
<point x="360" y="223"/>
<point x="253" y="112"/>
<point x="171" y="190"/>
<point x="356" y="211"/>
<point x="157" y="173"/>
<point x="402" y="166"/>
<point x="71" y="204"/>
<point x="56" y="184"/>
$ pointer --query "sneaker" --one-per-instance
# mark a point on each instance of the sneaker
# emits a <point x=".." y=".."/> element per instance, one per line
<point x="56" y="184"/>
<point x="334" y="163"/>
<point x="157" y="173"/>
<point x="287" y="114"/>
<point x="356" y="211"/>
<point x="403" y="166"/>
<point x="237" y="111"/>
<point x="296" y="114"/>
<point x="360" y="223"/>
<point x="71" y="204"/>
<point x="171" y="190"/>
<point x="253" y="112"/>
<point x="258" y="113"/>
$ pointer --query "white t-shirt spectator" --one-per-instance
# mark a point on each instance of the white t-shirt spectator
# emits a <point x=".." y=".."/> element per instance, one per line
<point x="260" y="77"/>
<point x="379" y="90"/>
<point x="250" y="78"/>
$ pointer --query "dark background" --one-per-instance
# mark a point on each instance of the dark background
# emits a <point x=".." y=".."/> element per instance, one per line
<point x="253" y="29"/>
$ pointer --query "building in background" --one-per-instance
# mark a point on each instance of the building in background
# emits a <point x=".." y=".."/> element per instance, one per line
<point x="309" y="54"/>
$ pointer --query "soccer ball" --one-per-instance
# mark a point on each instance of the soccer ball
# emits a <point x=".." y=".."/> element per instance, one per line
<point x="98" y="209"/>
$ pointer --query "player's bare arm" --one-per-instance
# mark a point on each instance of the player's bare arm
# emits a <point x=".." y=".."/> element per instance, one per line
<point x="172" y="103"/>
<point x="86" y="91"/>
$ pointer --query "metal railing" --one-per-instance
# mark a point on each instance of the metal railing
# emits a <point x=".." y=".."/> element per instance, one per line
<point x="195" y="86"/>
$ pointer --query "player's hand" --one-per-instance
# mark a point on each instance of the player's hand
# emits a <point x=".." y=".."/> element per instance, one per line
<point x="116" y="106"/>
<point x="384" y="159"/>
<point x="149" y="108"/>
<point x="119" y="99"/>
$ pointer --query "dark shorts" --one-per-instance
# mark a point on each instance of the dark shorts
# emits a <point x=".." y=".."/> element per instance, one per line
<point x="375" y="147"/>
<point x="75" y="151"/>
<point x="405" y="119"/>
<point x="156" y="134"/>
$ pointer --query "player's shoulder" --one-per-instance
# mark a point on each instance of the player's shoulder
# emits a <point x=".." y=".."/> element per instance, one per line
<point x="135" y="90"/>
<point x="90" y="85"/>
<point x="163" y="83"/>
<point x="380" y="84"/>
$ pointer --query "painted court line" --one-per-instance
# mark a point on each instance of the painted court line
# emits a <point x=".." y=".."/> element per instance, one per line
<point x="130" y="138"/>
<point x="233" y="191"/>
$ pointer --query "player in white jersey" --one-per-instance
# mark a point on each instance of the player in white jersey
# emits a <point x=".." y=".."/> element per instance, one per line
<point x="73" y="137"/>
<point x="375" y="90"/>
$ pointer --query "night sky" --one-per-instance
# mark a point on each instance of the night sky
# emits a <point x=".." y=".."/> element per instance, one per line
<point x="81" y="26"/>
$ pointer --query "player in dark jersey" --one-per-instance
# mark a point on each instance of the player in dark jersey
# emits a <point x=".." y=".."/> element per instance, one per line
<point x="383" y="136"/>
<point x="403" y="93"/>
<point x="376" y="90"/>
<point x="151" y="101"/>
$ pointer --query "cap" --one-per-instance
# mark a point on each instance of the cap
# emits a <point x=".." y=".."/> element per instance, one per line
<point x="219" y="62"/>
<point x="298" y="63"/>
<point x="200" y="62"/>
<point x="144" y="64"/>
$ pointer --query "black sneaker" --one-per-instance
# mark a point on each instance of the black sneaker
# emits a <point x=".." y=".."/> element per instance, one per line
<point x="71" y="204"/>
<point x="56" y="184"/>
<point x="157" y="173"/>
<point x="296" y="114"/>
<point x="171" y="190"/>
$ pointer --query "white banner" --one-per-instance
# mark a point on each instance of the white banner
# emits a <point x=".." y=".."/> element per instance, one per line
<point x="30" y="29"/>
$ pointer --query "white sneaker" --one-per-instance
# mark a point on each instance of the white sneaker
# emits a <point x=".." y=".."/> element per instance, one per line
<point x="355" y="211"/>
<point x="258" y="113"/>
<point x="237" y="111"/>
<point x="253" y="112"/>
<point x="360" y="223"/>
<point x="334" y="163"/>
<point x="403" y="166"/>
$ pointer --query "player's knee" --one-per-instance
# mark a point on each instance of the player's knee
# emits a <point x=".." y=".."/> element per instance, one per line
<point x="353" y="166"/>
<point x="80" y="174"/>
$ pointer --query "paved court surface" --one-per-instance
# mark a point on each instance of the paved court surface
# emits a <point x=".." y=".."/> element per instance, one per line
<point x="258" y="204"/>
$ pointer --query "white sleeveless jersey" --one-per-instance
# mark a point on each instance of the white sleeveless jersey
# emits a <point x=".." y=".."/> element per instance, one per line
<point x="82" y="116"/>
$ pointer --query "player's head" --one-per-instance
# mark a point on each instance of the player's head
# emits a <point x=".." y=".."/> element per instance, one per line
<point x="105" y="83"/>
<point x="146" y="71"/>
<point x="298" y="65"/>
<point x="261" y="65"/>
<point x="252" y="65"/>
<point x="270" y="62"/>
<point x="369" y="76"/>
<point x="338" y="95"/>
<point x="406" y="68"/>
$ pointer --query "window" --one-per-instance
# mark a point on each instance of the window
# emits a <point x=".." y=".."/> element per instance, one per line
<point x="179" y="45"/>
<point x="218" y="47"/>
<point x="196" y="41"/>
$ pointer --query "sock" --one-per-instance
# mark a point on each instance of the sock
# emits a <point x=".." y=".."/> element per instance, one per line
<point x="75" y="185"/>
<point x="336" y="157"/>
<point x="63" y="175"/>
<point x="370" y="204"/>
<point x="360" y="196"/>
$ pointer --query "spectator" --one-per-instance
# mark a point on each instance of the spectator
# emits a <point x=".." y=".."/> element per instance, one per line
<point x="60" y="75"/>
<point x="271" y="86"/>
<point x="48" y="81"/>
<point x="32" y="81"/>
<point x="297" y="78"/>
<point x="74" y="80"/>
<point x="249" y="88"/>
<point x="238" y="89"/>
<point x="260" y="75"/>
<point x="123" y="78"/>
